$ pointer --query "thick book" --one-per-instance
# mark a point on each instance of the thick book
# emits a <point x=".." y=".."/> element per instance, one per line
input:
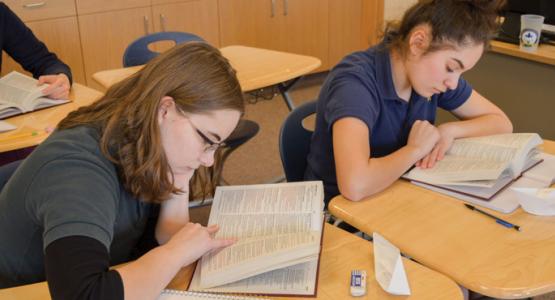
<point x="278" y="228"/>
<point x="20" y="94"/>
<point x="481" y="167"/>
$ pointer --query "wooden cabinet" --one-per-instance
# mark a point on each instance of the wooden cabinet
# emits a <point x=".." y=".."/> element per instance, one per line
<point x="249" y="23"/>
<point x="199" y="17"/>
<point x="305" y="28"/>
<point x="298" y="26"/>
<point x="327" y="29"/>
<point x="353" y="25"/>
<point x="91" y="35"/>
<point x="106" y="30"/>
<point x="104" y="37"/>
<point x="54" y="22"/>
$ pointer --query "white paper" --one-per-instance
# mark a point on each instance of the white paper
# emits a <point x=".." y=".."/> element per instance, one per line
<point x="5" y="126"/>
<point x="543" y="172"/>
<point x="539" y="202"/>
<point x="388" y="267"/>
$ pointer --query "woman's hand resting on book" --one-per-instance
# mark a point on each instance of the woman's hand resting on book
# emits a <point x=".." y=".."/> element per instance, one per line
<point x="194" y="240"/>
<point x="423" y="137"/>
<point x="58" y="86"/>
<point x="445" y="141"/>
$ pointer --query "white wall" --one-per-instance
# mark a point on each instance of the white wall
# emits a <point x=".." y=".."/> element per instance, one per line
<point x="394" y="9"/>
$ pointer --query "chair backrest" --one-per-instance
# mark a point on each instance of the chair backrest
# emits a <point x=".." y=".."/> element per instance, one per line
<point x="137" y="53"/>
<point x="6" y="172"/>
<point x="294" y="142"/>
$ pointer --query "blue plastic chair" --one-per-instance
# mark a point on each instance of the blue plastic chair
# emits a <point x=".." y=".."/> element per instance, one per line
<point x="137" y="53"/>
<point x="294" y="142"/>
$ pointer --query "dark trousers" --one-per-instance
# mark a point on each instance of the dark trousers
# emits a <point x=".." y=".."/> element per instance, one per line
<point x="9" y="156"/>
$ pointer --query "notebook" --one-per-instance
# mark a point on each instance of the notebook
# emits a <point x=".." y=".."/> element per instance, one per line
<point x="186" y="295"/>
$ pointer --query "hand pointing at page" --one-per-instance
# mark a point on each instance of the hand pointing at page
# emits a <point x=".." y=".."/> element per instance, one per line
<point x="58" y="86"/>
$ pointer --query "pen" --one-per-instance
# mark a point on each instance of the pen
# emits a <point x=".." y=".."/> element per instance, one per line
<point x="498" y="220"/>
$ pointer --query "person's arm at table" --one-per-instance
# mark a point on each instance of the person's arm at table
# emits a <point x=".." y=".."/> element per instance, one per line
<point x="359" y="175"/>
<point x="477" y="117"/>
<point x="77" y="267"/>
<point x="22" y="45"/>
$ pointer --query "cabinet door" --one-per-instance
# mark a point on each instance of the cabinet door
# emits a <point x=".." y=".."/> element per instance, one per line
<point x="61" y="37"/>
<point x="296" y="26"/>
<point x="104" y="37"/>
<point x="305" y="28"/>
<point x="196" y="16"/>
<point x="353" y="26"/>
<point x="253" y="23"/>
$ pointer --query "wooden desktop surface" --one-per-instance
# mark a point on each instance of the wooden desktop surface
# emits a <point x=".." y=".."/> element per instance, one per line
<point x="256" y="68"/>
<point x="34" y="127"/>
<point x="545" y="53"/>
<point x="442" y="234"/>
<point x="341" y="253"/>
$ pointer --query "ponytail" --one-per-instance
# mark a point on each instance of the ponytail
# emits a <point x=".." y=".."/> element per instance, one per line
<point x="458" y="22"/>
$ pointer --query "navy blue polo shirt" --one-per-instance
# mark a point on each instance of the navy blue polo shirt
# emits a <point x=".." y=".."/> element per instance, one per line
<point x="361" y="86"/>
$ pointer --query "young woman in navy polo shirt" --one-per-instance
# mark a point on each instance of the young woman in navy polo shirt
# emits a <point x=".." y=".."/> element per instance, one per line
<point x="376" y="110"/>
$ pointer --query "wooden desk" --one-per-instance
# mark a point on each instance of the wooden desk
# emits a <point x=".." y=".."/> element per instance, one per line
<point x="256" y="68"/>
<point x="545" y="53"/>
<point x="341" y="253"/>
<point x="442" y="234"/>
<point x="46" y="118"/>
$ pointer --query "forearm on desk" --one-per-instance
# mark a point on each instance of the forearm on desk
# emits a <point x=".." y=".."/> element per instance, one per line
<point x="364" y="180"/>
<point x="483" y="125"/>
<point x="148" y="275"/>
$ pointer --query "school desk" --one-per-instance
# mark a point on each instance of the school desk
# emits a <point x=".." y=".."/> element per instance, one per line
<point x="441" y="233"/>
<point x="256" y="68"/>
<point x="545" y="53"/>
<point x="34" y="127"/>
<point x="341" y="253"/>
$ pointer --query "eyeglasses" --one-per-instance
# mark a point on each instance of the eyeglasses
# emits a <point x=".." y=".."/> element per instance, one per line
<point x="209" y="145"/>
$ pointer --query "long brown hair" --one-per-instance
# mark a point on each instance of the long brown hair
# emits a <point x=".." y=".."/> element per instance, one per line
<point x="452" y="22"/>
<point x="195" y="75"/>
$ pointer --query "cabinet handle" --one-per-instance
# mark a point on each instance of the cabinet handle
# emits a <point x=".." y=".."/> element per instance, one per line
<point x="273" y="13"/>
<point x="163" y="22"/>
<point x="34" y="5"/>
<point x="145" y="20"/>
<point x="285" y="7"/>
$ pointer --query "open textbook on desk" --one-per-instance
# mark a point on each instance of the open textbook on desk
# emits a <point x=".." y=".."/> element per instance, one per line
<point x="20" y="94"/>
<point x="479" y="169"/>
<point x="278" y="228"/>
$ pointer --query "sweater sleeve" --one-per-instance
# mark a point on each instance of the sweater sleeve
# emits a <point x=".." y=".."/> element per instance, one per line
<point x="77" y="267"/>
<point x="22" y="45"/>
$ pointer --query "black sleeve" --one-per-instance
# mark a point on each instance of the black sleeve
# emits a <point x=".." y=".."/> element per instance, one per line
<point x="22" y="45"/>
<point x="77" y="267"/>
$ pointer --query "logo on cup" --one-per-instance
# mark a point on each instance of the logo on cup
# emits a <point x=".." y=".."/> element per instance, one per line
<point x="529" y="37"/>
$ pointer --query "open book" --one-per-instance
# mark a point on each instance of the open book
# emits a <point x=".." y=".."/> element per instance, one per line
<point x="278" y="228"/>
<point x="20" y="94"/>
<point x="482" y="166"/>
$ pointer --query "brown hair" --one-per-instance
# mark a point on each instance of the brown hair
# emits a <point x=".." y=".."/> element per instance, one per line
<point x="196" y="76"/>
<point x="452" y="22"/>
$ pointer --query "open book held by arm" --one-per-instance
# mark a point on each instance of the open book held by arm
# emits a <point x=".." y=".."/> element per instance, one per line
<point x="482" y="166"/>
<point x="278" y="228"/>
<point x="20" y="94"/>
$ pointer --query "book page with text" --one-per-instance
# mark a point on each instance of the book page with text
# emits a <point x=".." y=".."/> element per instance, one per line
<point x="454" y="169"/>
<point x="299" y="279"/>
<point x="276" y="225"/>
<point x="480" y="158"/>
